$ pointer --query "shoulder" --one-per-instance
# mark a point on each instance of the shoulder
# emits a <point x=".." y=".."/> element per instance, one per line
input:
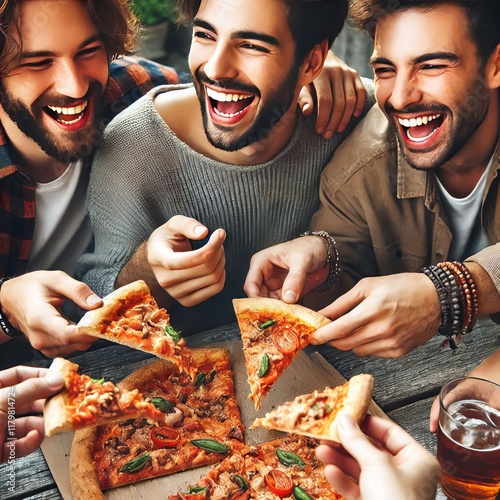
<point x="132" y="77"/>
<point x="373" y="141"/>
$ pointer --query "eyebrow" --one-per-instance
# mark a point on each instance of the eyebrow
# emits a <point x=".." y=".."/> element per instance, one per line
<point x="248" y="34"/>
<point x="431" y="56"/>
<point x="48" y="53"/>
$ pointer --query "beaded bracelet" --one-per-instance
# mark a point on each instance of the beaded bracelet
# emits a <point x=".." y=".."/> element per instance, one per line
<point x="332" y="258"/>
<point x="446" y="328"/>
<point x="5" y="325"/>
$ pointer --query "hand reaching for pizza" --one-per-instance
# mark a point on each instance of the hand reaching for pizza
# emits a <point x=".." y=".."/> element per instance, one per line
<point x="385" y="463"/>
<point x="31" y="303"/>
<point x="289" y="270"/>
<point x="189" y="276"/>
<point x="340" y="94"/>
<point x="382" y="316"/>
<point x="23" y="390"/>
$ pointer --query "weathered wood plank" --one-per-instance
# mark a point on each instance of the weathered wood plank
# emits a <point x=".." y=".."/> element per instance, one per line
<point x="421" y="372"/>
<point x="26" y="476"/>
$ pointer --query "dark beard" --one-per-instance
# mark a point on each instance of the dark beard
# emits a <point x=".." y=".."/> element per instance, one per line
<point x="69" y="146"/>
<point x="270" y="114"/>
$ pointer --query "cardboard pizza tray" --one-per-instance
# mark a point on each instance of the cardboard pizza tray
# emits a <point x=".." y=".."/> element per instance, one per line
<point x="304" y="375"/>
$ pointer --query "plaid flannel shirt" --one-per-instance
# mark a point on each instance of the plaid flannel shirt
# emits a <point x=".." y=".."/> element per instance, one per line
<point x="130" y="78"/>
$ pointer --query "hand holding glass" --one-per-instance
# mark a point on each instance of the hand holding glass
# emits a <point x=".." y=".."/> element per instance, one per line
<point x="469" y="439"/>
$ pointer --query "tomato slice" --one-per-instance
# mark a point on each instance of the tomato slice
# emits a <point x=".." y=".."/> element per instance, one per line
<point x="279" y="483"/>
<point x="165" y="437"/>
<point x="286" y="341"/>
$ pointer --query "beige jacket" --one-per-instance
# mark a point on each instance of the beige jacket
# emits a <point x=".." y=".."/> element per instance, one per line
<point x="385" y="215"/>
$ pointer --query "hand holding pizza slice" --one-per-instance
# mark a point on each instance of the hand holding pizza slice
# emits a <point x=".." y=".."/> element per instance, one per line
<point x="131" y="316"/>
<point x="85" y="402"/>
<point x="316" y="414"/>
<point x="273" y="332"/>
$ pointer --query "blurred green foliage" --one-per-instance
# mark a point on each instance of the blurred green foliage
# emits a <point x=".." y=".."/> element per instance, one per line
<point x="152" y="12"/>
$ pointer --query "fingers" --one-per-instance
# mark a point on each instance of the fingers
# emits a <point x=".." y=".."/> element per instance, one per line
<point x="31" y="432"/>
<point x="434" y="418"/>
<point x="17" y="374"/>
<point x="342" y="483"/>
<point x="181" y="226"/>
<point x="177" y="260"/>
<point x="24" y="394"/>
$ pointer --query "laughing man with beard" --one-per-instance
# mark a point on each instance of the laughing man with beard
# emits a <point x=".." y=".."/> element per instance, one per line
<point x="415" y="185"/>
<point x="230" y="155"/>
<point x="59" y="81"/>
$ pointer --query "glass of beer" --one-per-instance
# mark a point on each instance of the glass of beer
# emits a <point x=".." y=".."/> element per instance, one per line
<point x="468" y="447"/>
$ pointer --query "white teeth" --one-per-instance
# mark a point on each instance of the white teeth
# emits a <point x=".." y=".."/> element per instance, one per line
<point x="223" y="97"/>
<point x="414" y="122"/>
<point x="75" y="110"/>
<point x="227" y="115"/>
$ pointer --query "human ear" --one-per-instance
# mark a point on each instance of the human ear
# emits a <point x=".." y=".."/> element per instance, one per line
<point x="313" y="64"/>
<point x="492" y="72"/>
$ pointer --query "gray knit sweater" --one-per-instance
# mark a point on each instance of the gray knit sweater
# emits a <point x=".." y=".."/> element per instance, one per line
<point x="143" y="175"/>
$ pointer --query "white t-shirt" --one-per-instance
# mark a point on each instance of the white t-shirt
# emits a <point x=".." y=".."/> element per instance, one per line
<point x="464" y="216"/>
<point x="62" y="230"/>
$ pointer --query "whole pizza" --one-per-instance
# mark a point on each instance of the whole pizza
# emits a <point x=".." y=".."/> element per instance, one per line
<point x="201" y="426"/>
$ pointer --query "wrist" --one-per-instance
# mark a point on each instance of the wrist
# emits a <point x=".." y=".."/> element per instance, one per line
<point x="5" y="325"/>
<point x="332" y="258"/>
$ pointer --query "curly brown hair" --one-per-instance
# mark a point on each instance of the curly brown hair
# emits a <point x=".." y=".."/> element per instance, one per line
<point x="483" y="18"/>
<point x="310" y="21"/>
<point x="114" y="20"/>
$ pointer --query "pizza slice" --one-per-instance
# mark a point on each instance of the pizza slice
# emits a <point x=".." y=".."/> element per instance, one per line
<point x="282" y="468"/>
<point x="315" y="415"/>
<point x="272" y="333"/>
<point x="131" y="316"/>
<point x="85" y="402"/>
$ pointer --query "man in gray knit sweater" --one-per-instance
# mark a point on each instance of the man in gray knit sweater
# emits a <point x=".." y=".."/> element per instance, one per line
<point x="228" y="155"/>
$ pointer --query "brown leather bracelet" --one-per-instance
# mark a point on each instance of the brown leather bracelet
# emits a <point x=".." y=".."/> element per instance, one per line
<point x="5" y="325"/>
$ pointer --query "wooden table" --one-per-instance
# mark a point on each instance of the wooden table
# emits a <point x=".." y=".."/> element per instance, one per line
<point x="404" y="388"/>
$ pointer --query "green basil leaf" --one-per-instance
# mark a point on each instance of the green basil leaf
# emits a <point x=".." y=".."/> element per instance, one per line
<point x="300" y="494"/>
<point x="289" y="458"/>
<point x="210" y="445"/>
<point x="136" y="464"/>
<point x="267" y="324"/>
<point x="265" y="364"/>
<point x="174" y="334"/>
<point x="164" y="405"/>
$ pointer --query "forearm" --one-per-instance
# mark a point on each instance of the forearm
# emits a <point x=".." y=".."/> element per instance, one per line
<point x="487" y="293"/>
<point x="138" y="267"/>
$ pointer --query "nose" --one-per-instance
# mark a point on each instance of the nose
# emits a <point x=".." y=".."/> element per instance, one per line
<point x="70" y="80"/>
<point x="221" y="64"/>
<point x="405" y="91"/>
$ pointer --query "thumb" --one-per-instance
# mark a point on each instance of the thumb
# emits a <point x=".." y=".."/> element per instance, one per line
<point x="293" y="285"/>
<point x="356" y="442"/>
<point x="33" y="389"/>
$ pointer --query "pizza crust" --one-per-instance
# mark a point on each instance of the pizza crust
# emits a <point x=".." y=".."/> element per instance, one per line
<point x="123" y="298"/>
<point x="297" y="311"/>
<point x="357" y="399"/>
<point x="55" y="413"/>
<point x="84" y="482"/>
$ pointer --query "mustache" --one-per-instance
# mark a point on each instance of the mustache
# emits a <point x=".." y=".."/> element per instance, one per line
<point x="226" y="85"/>
<point x="417" y="109"/>
<point x="61" y="101"/>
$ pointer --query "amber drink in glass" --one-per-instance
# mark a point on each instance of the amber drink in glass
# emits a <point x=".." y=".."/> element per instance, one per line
<point x="469" y="439"/>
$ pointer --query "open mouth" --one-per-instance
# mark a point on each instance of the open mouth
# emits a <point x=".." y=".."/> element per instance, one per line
<point x="421" y="128"/>
<point x="229" y="105"/>
<point x="67" y="115"/>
